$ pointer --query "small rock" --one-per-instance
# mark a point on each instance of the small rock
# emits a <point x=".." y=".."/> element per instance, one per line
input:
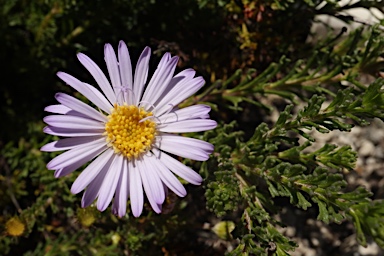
<point x="326" y="233"/>
<point x="371" y="249"/>
<point x="344" y="139"/>
<point x="370" y="161"/>
<point x="315" y="241"/>
<point x="377" y="135"/>
<point x="290" y="231"/>
<point x="367" y="148"/>
<point x="356" y="131"/>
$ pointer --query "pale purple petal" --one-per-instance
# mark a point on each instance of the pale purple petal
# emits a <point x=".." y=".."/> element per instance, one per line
<point x="141" y="74"/>
<point x="155" y="78"/>
<point x="80" y="106"/>
<point x="178" y="168"/>
<point x="167" y="177"/>
<point x="98" y="75"/>
<point x="135" y="190"/>
<point x="119" y="206"/>
<point x="181" y="78"/>
<point x="91" y="171"/>
<point x="185" y="147"/>
<point x="160" y="80"/>
<point x="164" y="80"/>
<point x="70" y="168"/>
<point x="68" y="143"/>
<point x="72" y="122"/>
<point x="93" y="190"/>
<point x="57" y="109"/>
<point x="88" y="151"/>
<point x="188" y="73"/>
<point x="191" y="112"/>
<point x="57" y="131"/>
<point x="110" y="181"/>
<point x="99" y="95"/>
<point x="150" y="186"/>
<point x="61" y="109"/>
<point x="155" y="186"/>
<point x="197" y="125"/>
<point x="113" y="69"/>
<point x="179" y="93"/>
<point x="88" y="91"/>
<point x="125" y="68"/>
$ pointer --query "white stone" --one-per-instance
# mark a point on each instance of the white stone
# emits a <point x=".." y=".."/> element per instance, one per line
<point x="367" y="148"/>
<point x="371" y="249"/>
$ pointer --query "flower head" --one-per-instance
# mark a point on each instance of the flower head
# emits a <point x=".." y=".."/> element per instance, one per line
<point x="14" y="226"/>
<point x="131" y="134"/>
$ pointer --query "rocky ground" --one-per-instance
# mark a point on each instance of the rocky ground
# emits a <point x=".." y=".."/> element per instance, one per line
<point x="315" y="237"/>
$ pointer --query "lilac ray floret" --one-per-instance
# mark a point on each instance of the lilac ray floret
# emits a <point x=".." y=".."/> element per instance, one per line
<point x="91" y="171"/>
<point x="113" y="69"/>
<point x="150" y="188"/>
<point x="194" y="125"/>
<point x="87" y="90"/>
<point x="108" y="188"/>
<point x="80" y="107"/>
<point x="68" y="143"/>
<point x="141" y="74"/>
<point x="135" y="190"/>
<point x="72" y="122"/>
<point x="179" y="93"/>
<point x="156" y="77"/>
<point x="156" y="88"/>
<point x="178" y="168"/>
<point x="87" y="151"/>
<point x="119" y="206"/>
<point x="185" y="147"/>
<point x="153" y="180"/>
<point x="179" y="80"/>
<point x="167" y="177"/>
<point x="70" y="168"/>
<point x="57" y="109"/>
<point x="125" y="66"/>
<point x="57" y="131"/>
<point x="192" y="112"/>
<point x="93" y="189"/>
<point x="98" y="75"/>
<point x="63" y="110"/>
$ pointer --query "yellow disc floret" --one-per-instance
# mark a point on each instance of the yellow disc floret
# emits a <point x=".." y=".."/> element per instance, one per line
<point x="126" y="134"/>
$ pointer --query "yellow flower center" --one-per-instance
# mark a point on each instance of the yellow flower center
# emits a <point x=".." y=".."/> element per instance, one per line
<point x="14" y="227"/>
<point x="126" y="134"/>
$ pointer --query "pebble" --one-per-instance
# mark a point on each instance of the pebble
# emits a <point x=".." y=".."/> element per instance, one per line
<point x="290" y="231"/>
<point x="371" y="249"/>
<point x="315" y="241"/>
<point x="367" y="148"/>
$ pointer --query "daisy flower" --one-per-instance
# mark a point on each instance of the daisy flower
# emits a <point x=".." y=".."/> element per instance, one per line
<point x="131" y="134"/>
